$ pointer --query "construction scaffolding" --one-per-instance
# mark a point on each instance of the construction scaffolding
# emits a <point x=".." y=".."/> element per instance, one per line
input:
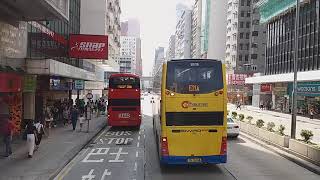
<point x="271" y="8"/>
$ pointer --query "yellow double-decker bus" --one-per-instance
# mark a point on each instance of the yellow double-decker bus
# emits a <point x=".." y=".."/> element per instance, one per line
<point x="190" y="118"/>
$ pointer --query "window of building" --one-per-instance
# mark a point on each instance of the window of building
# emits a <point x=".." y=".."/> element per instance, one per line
<point x="254" y="56"/>
<point x="241" y="35"/>
<point x="248" y="24"/>
<point x="248" y="2"/>
<point x="254" y="45"/>
<point x="241" y="24"/>
<point x="241" y="46"/>
<point x="240" y="57"/>
<point x="248" y="14"/>
<point x="242" y="2"/>
<point x="247" y="35"/>
<point x="247" y="46"/>
<point x="242" y="14"/>
<point x="255" y="33"/>
<point x="246" y="57"/>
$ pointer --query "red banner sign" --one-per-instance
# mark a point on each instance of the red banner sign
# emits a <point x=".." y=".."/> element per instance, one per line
<point x="237" y="79"/>
<point x="266" y="88"/>
<point x="10" y="82"/>
<point x="88" y="46"/>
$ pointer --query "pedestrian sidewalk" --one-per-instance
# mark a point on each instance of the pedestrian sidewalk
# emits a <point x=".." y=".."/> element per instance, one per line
<point x="281" y="119"/>
<point x="54" y="152"/>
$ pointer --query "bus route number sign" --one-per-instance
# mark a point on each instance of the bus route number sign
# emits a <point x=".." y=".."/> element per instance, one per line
<point x="194" y="88"/>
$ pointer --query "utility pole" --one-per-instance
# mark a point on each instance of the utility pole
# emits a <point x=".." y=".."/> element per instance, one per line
<point x="295" y="66"/>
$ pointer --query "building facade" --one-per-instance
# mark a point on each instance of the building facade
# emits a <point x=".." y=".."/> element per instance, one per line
<point x="196" y="29"/>
<point x="280" y="50"/>
<point x="183" y="36"/>
<point x="131" y="47"/>
<point x="159" y="58"/>
<point x="130" y="27"/>
<point x="171" y="48"/>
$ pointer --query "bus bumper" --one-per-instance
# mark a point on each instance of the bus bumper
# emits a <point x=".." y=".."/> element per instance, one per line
<point x="218" y="159"/>
<point x="124" y="123"/>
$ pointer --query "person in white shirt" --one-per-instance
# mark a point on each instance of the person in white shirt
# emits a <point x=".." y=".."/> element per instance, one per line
<point x="81" y="120"/>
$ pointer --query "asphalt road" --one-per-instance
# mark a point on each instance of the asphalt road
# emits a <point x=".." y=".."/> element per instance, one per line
<point x="130" y="154"/>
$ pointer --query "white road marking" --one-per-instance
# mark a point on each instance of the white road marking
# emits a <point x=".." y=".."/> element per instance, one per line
<point x="105" y="173"/>
<point x="103" y="132"/>
<point x="138" y="138"/>
<point x="138" y="144"/>
<point x="118" y="155"/>
<point x="90" y="176"/>
<point x="135" y="166"/>
<point x="137" y="154"/>
<point x="101" y="151"/>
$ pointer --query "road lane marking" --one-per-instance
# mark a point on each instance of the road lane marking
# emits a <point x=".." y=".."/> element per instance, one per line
<point x="138" y="138"/>
<point x="103" y="132"/>
<point x="100" y="151"/>
<point x="69" y="166"/>
<point x="137" y="154"/>
<point x="135" y="166"/>
<point x="138" y="144"/>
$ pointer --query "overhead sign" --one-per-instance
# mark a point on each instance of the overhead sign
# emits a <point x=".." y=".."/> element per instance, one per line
<point x="88" y="46"/>
<point x="266" y="88"/>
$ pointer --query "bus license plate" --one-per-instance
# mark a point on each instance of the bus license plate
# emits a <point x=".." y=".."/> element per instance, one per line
<point x="124" y="115"/>
<point x="194" y="160"/>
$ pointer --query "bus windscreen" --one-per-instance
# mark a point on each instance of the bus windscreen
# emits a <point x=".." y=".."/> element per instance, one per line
<point x="194" y="77"/>
<point x="124" y="83"/>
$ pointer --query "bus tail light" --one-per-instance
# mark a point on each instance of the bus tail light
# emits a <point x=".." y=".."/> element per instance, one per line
<point x="223" y="146"/>
<point x="164" y="147"/>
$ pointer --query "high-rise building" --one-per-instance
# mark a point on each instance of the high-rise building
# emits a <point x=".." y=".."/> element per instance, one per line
<point x="129" y="48"/>
<point x="183" y="36"/>
<point x="180" y="8"/>
<point x="171" y="48"/>
<point x="196" y="29"/>
<point x="275" y="85"/>
<point x="131" y="27"/>
<point x="107" y="13"/>
<point x="159" y="57"/>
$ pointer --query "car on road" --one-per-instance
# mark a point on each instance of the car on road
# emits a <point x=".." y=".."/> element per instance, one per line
<point x="233" y="129"/>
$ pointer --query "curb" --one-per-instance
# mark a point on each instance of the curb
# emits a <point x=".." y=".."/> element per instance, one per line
<point x="286" y="153"/>
<point x="75" y="152"/>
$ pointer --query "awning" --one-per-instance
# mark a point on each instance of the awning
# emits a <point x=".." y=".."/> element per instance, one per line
<point x="302" y="76"/>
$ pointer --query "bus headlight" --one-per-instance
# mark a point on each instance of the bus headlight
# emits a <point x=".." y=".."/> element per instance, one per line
<point x="172" y="94"/>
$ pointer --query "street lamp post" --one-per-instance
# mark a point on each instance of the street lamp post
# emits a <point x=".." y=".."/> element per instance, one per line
<point x="295" y="66"/>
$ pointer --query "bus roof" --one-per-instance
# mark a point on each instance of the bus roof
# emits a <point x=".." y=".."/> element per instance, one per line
<point x="123" y="74"/>
<point x="175" y="60"/>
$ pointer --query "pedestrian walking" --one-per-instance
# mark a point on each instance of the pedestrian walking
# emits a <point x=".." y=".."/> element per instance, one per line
<point x="238" y="106"/>
<point x="40" y="132"/>
<point x="311" y="113"/>
<point x="81" y="121"/>
<point x="7" y="132"/>
<point x="74" y="117"/>
<point x="31" y="132"/>
<point x="66" y="115"/>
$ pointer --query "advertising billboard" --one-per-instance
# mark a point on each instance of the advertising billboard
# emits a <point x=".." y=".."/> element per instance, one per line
<point x="88" y="46"/>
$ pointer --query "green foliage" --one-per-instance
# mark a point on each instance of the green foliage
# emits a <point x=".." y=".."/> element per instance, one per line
<point x="241" y="117"/>
<point x="260" y="123"/>
<point x="234" y="115"/>
<point x="249" y="118"/>
<point x="306" y="134"/>
<point x="270" y="126"/>
<point x="281" y="130"/>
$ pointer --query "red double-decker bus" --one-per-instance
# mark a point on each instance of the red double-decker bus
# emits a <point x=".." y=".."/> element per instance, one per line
<point x="124" y="107"/>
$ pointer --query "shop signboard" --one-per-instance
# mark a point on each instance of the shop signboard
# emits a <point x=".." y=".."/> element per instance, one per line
<point x="237" y="79"/>
<point x="265" y="88"/>
<point x="93" y="85"/>
<point x="311" y="89"/>
<point x="60" y="84"/>
<point x="30" y="83"/>
<point x="88" y="46"/>
<point x="79" y="84"/>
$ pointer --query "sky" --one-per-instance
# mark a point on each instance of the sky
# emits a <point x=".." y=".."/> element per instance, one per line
<point x="157" y="23"/>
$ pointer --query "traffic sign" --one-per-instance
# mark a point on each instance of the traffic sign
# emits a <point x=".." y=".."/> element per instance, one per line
<point x="89" y="96"/>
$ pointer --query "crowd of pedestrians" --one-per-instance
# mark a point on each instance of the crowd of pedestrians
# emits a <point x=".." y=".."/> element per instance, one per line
<point x="62" y="112"/>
